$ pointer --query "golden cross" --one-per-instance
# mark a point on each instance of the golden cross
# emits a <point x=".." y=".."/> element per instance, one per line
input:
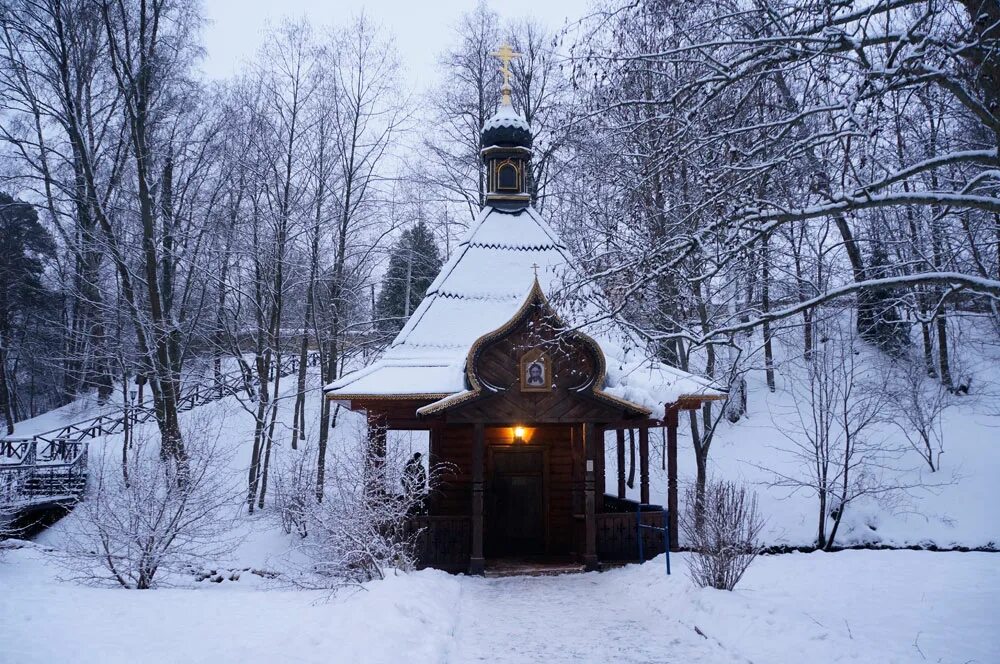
<point x="535" y="266"/>
<point x="505" y="54"/>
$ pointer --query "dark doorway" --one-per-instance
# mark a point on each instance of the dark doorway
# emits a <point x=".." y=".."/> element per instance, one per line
<point x="515" y="518"/>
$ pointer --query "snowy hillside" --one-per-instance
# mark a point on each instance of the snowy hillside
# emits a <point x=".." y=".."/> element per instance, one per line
<point x="951" y="508"/>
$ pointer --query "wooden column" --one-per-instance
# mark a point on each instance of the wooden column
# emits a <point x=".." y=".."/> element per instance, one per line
<point x="672" y="476"/>
<point x="644" y="465"/>
<point x="620" y="441"/>
<point x="477" y="563"/>
<point x="590" y="513"/>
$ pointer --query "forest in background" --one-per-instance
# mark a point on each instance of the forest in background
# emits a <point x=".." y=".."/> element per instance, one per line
<point x="727" y="173"/>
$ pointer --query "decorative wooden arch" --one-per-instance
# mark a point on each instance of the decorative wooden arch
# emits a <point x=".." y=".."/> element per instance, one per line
<point x="577" y="363"/>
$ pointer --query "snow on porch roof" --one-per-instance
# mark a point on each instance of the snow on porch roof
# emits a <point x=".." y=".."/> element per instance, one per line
<point x="482" y="287"/>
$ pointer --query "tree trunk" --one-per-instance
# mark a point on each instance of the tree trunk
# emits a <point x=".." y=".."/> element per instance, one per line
<point x="765" y="304"/>
<point x="6" y="400"/>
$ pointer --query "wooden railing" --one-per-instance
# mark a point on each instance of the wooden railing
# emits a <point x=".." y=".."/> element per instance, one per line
<point x="618" y="531"/>
<point x="29" y="482"/>
<point x="443" y="542"/>
<point x="54" y="463"/>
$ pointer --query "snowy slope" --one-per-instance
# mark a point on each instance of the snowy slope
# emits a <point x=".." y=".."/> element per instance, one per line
<point x="861" y="606"/>
<point x="960" y="513"/>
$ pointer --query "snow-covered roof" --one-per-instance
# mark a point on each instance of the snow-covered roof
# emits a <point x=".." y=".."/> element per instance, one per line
<point x="506" y="116"/>
<point x="481" y="288"/>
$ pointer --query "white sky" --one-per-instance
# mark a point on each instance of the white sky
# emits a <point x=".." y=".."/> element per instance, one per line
<point x="422" y="28"/>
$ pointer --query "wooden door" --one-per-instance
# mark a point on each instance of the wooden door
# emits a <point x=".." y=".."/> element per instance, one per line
<point x="516" y="517"/>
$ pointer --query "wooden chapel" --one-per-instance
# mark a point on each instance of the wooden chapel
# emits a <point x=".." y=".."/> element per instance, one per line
<point x="519" y="397"/>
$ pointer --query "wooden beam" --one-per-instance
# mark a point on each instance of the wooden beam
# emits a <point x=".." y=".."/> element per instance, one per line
<point x="672" y="421"/>
<point x="477" y="563"/>
<point x="632" y="424"/>
<point x="590" y="506"/>
<point x="644" y="465"/>
<point x="620" y="442"/>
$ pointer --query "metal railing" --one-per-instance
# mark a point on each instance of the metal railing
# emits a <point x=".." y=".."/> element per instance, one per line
<point x="665" y="529"/>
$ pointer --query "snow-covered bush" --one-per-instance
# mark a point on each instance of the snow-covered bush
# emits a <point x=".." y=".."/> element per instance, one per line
<point x="360" y="529"/>
<point x="133" y="526"/>
<point x="723" y="534"/>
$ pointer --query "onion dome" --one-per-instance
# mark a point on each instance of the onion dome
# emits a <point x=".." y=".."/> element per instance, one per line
<point x="506" y="129"/>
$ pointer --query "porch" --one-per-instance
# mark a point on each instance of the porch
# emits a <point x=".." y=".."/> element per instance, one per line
<point x="445" y="542"/>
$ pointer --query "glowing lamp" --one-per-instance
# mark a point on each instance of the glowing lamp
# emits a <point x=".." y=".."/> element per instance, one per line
<point x="519" y="434"/>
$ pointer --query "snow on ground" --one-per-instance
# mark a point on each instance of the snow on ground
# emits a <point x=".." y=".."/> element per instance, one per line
<point x="854" y="606"/>
<point x="45" y="620"/>
<point x="851" y="606"/>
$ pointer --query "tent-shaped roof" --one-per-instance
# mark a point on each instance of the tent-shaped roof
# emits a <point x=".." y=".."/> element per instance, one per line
<point x="480" y="289"/>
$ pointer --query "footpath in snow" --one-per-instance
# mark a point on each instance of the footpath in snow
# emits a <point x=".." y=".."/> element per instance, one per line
<point x="852" y="606"/>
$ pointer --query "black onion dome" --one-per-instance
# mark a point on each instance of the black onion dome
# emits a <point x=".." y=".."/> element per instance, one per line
<point x="506" y="129"/>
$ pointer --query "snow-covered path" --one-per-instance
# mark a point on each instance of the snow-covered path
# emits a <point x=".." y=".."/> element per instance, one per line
<point x="852" y="607"/>
<point x="571" y="618"/>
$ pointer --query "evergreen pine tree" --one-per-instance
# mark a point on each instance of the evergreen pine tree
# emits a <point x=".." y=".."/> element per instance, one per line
<point x="413" y="265"/>
<point x="24" y="246"/>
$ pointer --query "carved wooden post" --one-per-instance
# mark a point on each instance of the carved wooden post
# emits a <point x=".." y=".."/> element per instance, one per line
<point x="644" y="465"/>
<point x="620" y="441"/>
<point x="590" y="533"/>
<point x="672" y="475"/>
<point x="477" y="563"/>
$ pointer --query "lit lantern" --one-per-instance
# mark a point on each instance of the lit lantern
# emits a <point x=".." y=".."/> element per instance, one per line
<point x="519" y="434"/>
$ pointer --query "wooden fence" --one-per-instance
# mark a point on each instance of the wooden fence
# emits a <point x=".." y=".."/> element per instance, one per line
<point x="442" y="542"/>
<point x="618" y="531"/>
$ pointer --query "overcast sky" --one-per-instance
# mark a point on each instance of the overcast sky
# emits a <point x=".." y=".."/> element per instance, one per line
<point x="422" y="28"/>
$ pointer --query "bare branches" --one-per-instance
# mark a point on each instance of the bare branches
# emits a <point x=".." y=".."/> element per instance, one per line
<point x="722" y="530"/>
<point x="716" y="130"/>
<point x="133" y="530"/>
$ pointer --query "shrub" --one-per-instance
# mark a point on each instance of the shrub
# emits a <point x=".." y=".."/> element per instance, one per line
<point x="722" y="532"/>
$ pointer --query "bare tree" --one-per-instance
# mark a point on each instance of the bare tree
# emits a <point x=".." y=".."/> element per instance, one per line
<point x="62" y="123"/>
<point x="780" y="145"/>
<point x="835" y="449"/>
<point x="129" y="532"/>
<point x="367" y="114"/>
<point x="467" y="97"/>
<point x="355" y="534"/>
<point x="281" y="98"/>
<point x="917" y="404"/>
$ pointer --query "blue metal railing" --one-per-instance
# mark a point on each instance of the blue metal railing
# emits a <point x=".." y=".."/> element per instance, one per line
<point x="665" y="530"/>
